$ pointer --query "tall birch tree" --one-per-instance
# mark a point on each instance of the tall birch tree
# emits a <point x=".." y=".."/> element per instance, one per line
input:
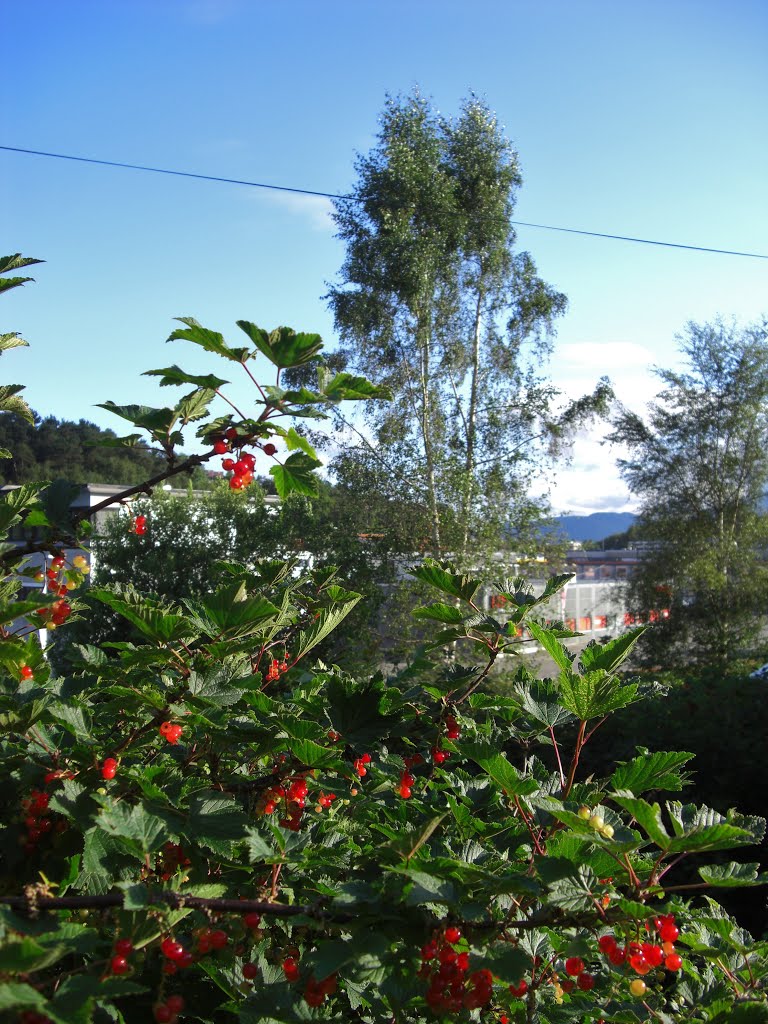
<point x="435" y="301"/>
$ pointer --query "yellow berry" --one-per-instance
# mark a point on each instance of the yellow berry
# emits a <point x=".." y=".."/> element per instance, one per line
<point x="584" y="812"/>
<point x="596" y="822"/>
<point x="607" y="831"/>
<point x="638" y="988"/>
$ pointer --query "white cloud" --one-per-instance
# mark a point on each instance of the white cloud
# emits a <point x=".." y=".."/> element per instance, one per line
<point x="316" y="210"/>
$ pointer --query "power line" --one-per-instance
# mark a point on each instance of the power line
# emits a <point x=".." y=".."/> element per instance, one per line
<point x="333" y="195"/>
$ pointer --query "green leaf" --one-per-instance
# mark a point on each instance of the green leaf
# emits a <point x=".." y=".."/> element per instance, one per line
<point x="147" y="831"/>
<point x="154" y="620"/>
<point x="499" y="768"/>
<point x="17" y="996"/>
<point x="594" y="694"/>
<point x="215" y="820"/>
<point x="296" y="475"/>
<point x="551" y="645"/>
<point x="733" y="875"/>
<point x="440" y="613"/>
<point x="652" y="771"/>
<point x="283" y="346"/>
<point x="327" y="621"/>
<point x="211" y="341"/>
<point x="175" y="375"/>
<point x="610" y="656"/>
<point x="293" y="440"/>
<point x="648" y="817"/>
<point x="25" y="955"/>
<point x="345" y="387"/>
<point x="574" y="893"/>
<point x="443" y="576"/>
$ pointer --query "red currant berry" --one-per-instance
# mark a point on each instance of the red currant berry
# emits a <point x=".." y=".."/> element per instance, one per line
<point x="520" y="989"/>
<point x="231" y="434"/>
<point x="163" y="1015"/>
<point x="574" y="965"/>
<point x="250" y="971"/>
<point x="585" y="982"/>
<point x="175" y="1003"/>
<point x="452" y="934"/>
<point x="27" y="672"/>
<point x="220" y="447"/>
<point x="218" y="939"/>
<point x="119" y="965"/>
<point x="124" y="947"/>
<point x="269" y="449"/>
<point x="291" y="969"/>
<point x="669" y="931"/>
<point x="673" y="962"/>
<point x="252" y="919"/>
<point x="171" y="949"/>
<point x="606" y="943"/>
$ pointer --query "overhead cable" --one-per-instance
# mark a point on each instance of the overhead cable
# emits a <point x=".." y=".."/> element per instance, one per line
<point x="350" y="198"/>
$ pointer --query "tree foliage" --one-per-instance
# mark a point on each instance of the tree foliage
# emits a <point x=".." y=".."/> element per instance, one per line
<point x="699" y="464"/>
<point x="49" y="448"/>
<point x="435" y="300"/>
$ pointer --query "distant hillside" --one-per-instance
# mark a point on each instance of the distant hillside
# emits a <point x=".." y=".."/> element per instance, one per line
<point x="596" y="526"/>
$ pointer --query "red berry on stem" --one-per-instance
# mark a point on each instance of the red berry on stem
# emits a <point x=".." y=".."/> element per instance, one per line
<point x="163" y="1014"/>
<point x="220" y="447"/>
<point x="673" y="962"/>
<point x="574" y="965"/>
<point x="585" y="982"/>
<point x="119" y="965"/>
<point x="175" y="1003"/>
<point x="26" y="672"/>
<point x="124" y="947"/>
<point x="250" y="971"/>
<point x="269" y="449"/>
<point x="452" y="934"/>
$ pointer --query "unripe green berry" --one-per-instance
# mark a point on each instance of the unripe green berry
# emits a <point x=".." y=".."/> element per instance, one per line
<point x="596" y="822"/>
<point x="607" y="831"/>
<point x="584" y="812"/>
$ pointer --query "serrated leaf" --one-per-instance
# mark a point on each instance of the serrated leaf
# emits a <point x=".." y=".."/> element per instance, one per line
<point x="439" y="612"/>
<point x="733" y="875"/>
<point x="345" y="386"/>
<point x="296" y="475"/>
<point x="594" y="694"/>
<point x="547" y="639"/>
<point x="610" y="656"/>
<point x="175" y="375"/>
<point x="499" y="769"/>
<point x="327" y="621"/>
<point x="648" y="817"/>
<point x="294" y="440"/>
<point x="283" y="347"/>
<point x="443" y="576"/>
<point x="657" y="770"/>
<point x="209" y="340"/>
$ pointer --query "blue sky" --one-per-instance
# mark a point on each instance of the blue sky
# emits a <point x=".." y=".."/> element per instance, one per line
<point x="640" y="119"/>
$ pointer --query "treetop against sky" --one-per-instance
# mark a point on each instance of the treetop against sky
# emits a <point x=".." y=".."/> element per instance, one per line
<point x="641" y="120"/>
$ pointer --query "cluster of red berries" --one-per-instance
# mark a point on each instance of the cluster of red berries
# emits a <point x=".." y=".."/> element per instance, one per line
<point x="291" y="968"/>
<point x="451" y="988"/>
<point x="243" y="466"/>
<point x="361" y="765"/>
<point x="405" y="789"/>
<point x="109" y="768"/>
<point x="211" y="939"/>
<point x="167" y="1012"/>
<point x="316" y="992"/>
<point x="575" y="968"/>
<point x="171" y="732"/>
<point x="26" y="672"/>
<point x="324" y="801"/>
<point x="643" y="957"/>
<point x="452" y="732"/>
<point x="55" y="614"/>
<point x="36" y="821"/>
<point x="172" y="858"/>
<point x="119" y="963"/>
<point x="296" y="798"/>
<point x="276" y="668"/>
<point x="139" y="526"/>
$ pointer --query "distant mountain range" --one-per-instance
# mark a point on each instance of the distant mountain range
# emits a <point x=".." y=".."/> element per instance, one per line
<point x="595" y="526"/>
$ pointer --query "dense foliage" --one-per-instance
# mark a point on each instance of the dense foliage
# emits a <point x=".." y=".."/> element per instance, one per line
<point x="210" y="827"/>
<point x="49" y="449"/>
<point x="699" y="464"/>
